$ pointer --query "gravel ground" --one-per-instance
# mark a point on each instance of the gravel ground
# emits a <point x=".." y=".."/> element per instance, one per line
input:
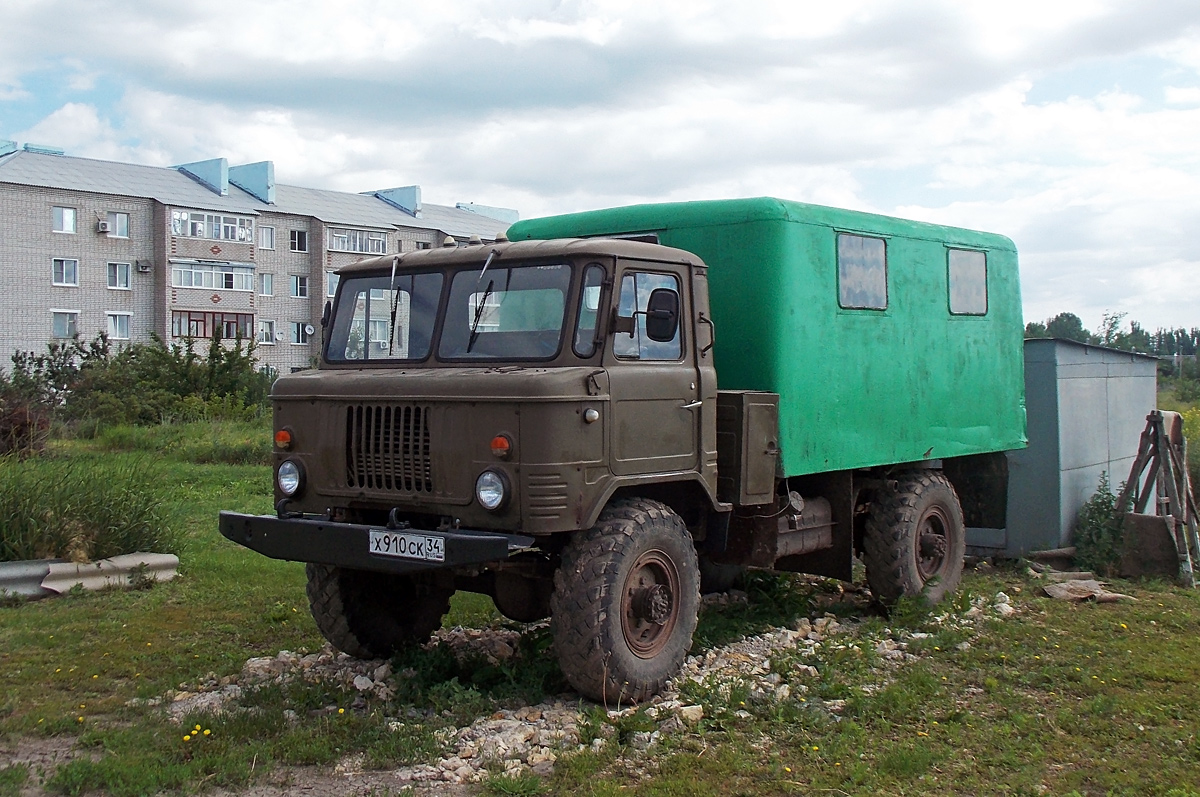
<point x="531" y="738"/>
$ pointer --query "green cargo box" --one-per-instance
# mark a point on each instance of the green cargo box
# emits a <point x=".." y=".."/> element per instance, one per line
<point x="796" y="291"/>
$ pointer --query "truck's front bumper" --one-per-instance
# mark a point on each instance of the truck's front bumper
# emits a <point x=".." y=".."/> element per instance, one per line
<point x="349" y="545"/>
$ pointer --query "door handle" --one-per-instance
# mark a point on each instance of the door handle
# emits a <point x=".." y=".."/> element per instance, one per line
<point x="691" y="406"/>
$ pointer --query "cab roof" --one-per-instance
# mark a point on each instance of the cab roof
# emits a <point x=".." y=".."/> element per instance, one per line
<point x="508" y="251"/>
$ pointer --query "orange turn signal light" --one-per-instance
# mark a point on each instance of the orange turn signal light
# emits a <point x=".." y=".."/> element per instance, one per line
<point x="501" y="446"/>
<point x="283" y="439"/>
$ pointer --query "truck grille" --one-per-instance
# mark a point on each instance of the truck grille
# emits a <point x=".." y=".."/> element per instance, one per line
<point x="387" y="448"/>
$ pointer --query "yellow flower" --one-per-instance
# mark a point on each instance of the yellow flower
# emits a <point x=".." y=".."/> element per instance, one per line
<point x="341" y="711"/>
<point x="94" y="677"/>
<point x="815" y="747"/>
<point x="787" y="769"/>
<point x="80" y="719"/>
<point x="837" y="763"/>
<point x="187" y="738"/>
<point x="1124" y="626"/>
<point x="207" y="732"/>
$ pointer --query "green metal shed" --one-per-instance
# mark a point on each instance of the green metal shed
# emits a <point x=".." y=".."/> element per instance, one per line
<point x="890" y="378"/>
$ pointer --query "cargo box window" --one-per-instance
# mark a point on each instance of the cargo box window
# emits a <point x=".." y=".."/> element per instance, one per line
<point x="968" y="282"/>
<point x="862" y="272"/>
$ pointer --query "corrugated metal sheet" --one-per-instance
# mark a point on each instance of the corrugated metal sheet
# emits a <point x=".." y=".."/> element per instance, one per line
<point x="25" y="578"/>
<point x="119" y="571"/>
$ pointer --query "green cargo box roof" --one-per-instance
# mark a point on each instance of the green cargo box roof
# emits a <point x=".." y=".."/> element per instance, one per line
<point x="858" y="387"/>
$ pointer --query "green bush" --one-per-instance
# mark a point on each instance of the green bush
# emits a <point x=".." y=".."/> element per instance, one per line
<point x="1098" y="532"/>
<point x="81" y="510"/>
<point x="94" y="385"/>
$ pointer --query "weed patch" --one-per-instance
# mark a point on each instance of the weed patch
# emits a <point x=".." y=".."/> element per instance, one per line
<point x="81" y="510"/>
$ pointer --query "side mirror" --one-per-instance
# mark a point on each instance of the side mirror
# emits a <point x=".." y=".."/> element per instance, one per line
<point x="662" y="315"/>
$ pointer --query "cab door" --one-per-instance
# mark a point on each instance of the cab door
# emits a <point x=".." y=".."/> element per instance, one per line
<point x="653" y="384"/>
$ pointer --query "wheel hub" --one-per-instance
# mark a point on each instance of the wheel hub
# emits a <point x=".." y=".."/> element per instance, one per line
<point x="933" y="543"/>
<point x="649" y="605"/>
<point x="652" y="603"/>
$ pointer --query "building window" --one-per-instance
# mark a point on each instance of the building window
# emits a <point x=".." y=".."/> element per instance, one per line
<point x="967" y="276"/>
<point x="118" y="276"/>
<point x="266" y="332"/>
<point x="862" y="272"/>
<point x="118" y="326"/>
<point x="66" y="271"/>
<point x="118" y="225"/>
<point x="424" y="245"/>
<point x="266" y="237"/>
<point x="299" y="286"/>
<point x="226" y="276"/>
<point x="343" y="240"/>
<point x="64" y="219"/>
<point x="266" y="284"/>
<point x="298" y="240"/>
<point x="190" y="224"/>
<point x="64" y="323"/>
<point x="331" y="283"/>
<point x="200" y="324"/>
<point x="299" y="332"/>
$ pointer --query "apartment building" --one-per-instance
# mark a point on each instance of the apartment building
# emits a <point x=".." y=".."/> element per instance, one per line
<point x="90" y="246"/>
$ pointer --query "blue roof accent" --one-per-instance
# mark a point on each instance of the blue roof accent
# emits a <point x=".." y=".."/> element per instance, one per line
<point x="256" y="179"/>
<point x="212" y="173"/>
<point x="407" y="198"/>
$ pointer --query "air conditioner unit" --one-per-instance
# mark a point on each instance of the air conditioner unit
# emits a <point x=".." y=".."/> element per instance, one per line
<point x="102" y="226"/>
<point x="143" y="267"/>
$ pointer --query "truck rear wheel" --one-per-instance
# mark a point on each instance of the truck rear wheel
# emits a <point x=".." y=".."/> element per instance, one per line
<point x="915" y="538"/>
<point x="625" y="603"/>
<point x="369" y="615"/>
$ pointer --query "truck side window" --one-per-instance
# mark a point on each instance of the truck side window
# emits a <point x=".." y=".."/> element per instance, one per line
<point x="862" y="272"/>
<point x="589" y="311"/>
<point x="967" y="273"/>
<point x="636" y="288"/>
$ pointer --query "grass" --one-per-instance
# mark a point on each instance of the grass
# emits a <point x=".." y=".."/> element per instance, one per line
<point x="1058" y="699"/>
<point x="82" y="507"/>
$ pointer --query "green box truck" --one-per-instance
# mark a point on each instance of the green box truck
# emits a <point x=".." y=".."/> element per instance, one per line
<point x="590" y="418"/>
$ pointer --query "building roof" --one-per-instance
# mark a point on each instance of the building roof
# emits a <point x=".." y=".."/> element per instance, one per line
<point x="171" y="186"/>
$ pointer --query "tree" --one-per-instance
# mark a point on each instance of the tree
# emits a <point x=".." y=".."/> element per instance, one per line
<point x="1068" y="326"/>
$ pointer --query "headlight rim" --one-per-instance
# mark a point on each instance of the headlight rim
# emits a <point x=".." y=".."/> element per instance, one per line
<point x="502" y="483"/>
<point x="299" y="468"/>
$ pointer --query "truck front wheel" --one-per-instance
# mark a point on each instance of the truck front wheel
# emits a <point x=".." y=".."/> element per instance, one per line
<point x="915" y="538"/>
<point x="625" y="603"/>
<point x="369" y="615"/>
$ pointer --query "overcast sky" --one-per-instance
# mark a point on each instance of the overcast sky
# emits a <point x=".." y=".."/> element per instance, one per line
<point x="1072" y="126"/>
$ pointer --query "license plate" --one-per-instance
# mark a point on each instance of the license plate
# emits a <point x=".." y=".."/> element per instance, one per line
<point x="427" y="547"/>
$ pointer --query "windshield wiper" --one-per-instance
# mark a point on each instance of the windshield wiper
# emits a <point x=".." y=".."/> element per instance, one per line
<point x="395" y="300"/>
<point x="479" y="314"/>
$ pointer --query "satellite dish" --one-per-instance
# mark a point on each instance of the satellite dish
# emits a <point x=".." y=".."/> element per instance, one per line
<point x="278" y="336"/>
<point x="309" y="329"/>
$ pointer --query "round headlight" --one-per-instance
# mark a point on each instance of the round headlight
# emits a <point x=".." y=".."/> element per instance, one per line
<point x="490" y="490"/>
<point x="290" y="477"/>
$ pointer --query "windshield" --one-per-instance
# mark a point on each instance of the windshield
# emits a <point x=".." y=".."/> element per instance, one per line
<point x="509" y="313"/>
<point x="373" y="322"/>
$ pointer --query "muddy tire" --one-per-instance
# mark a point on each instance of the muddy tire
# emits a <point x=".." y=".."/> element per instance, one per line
<point x="625" y="602"/>
<point x="915" y="539"/>
<point x="370" y="615"/>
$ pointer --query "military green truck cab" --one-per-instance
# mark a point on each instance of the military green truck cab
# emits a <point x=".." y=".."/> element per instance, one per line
<point x="540" y="421"/>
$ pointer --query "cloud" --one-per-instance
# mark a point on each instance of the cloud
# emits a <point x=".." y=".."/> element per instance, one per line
<point x="919" y="108"/>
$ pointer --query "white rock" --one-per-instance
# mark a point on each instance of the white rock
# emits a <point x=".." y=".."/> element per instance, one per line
<point x="691" y="714"/>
